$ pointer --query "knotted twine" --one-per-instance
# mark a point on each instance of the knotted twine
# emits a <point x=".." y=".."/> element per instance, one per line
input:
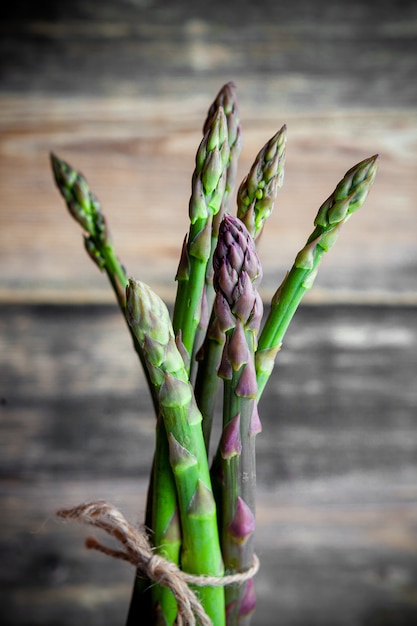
<point x="138" y="551"/>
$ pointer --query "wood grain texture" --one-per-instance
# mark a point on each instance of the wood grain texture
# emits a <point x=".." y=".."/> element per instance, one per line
<point x="121" y="91"/>
<point x="337" y="476"/>
<point x="141" y="169"/>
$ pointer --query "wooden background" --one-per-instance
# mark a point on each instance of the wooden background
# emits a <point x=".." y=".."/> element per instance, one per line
<point x="120" y="90"/>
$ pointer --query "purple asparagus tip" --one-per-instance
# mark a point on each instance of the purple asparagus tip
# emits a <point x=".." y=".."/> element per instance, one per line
<point x="243" y="523"/>
<point x="249" y="600"/>
<point x="231" y="444"/>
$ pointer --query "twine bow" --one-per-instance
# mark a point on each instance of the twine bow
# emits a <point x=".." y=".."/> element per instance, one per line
<point x="137" y="550"/>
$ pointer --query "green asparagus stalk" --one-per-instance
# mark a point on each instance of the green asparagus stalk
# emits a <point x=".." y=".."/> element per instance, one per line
<point x="208" y="186"/>
<point x="200" y="550"/>
<point x="86" y="210"/>
<point x="238" y="310"/>
<point x="163" y="518"/>
<point x="255" y="199"/>
<point x="165" y="525"/>
<point x="348" y="197"/>
<point x="226" y="98"/>
<point x="258" y="190"/>
<point x="156" y="604"/>
<point x="207" y="381"/>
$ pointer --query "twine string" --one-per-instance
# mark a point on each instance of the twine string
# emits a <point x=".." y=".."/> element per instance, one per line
<point x="137" y="550"/>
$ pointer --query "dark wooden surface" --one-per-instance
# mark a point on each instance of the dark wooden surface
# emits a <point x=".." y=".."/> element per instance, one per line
<point x="120" y="89"/>
<point x="337" y="475"/>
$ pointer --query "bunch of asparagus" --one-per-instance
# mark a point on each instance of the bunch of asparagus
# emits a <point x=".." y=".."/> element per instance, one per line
<point x="201" y="512"/>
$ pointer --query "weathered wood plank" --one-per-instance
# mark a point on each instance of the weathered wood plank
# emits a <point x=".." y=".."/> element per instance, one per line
<point x="345" y="373"/>
<point x="325" y="559"/>
<point x="140" y="168"/>
<point x="304" y="55"/>
<point x="121" y="90"/>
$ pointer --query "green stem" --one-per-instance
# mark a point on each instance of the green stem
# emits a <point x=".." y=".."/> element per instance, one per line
<point x="348" y="197"/>
<point x="86" y="210"/>
<point x="151" y="603"/>
<point x="238" y="311"/>
<point x="226" y="98"/>
<point x="207" y="381"/>
<point x="188" y="301"/>
<point x="282" y="310"/>
<point x="165" y="526"/>
<point x="116" y="274"/>
<point x="208" y="188"/>
<point x="237" y="464"/>
<point x="200" y="551"/>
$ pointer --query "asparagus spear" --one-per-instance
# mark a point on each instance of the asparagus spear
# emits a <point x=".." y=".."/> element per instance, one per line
<point x="85" y="209"/>
<point x="162" y="510"/>
<point x="348" y="197"/>
<point x="208" y="185"/>
<point x="258" y="190"/>
<point x="226" y="99"/>
<point x="255" y="198"/>
<point x="238" y="309"/>
<point x="207" y="332"/>
<point x="206" y="383"/>
<point x="200" y="552"/>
